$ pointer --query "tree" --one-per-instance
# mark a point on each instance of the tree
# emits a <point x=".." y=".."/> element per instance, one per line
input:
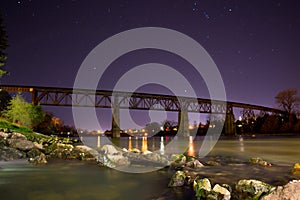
<point x="4" y="99"/>
<point x="3" y="46"/>
<point x="152" y="128"/>
<point x="169" y="124"/>
<point x="288" y="100"/>
<point x="24" y="113"/>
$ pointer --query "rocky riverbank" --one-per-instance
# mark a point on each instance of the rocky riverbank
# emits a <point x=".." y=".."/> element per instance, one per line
<point x="205" y="178"/>
<point x="190" y="172"/>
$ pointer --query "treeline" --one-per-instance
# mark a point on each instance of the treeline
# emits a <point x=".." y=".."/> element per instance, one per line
<point x="17" y="110"/>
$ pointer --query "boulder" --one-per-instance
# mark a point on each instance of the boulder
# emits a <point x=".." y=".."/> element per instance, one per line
<point x="194" y="164"/>
<point x="222" y="192"/>
<point x="202" y="188"/>
<point x="20" y="143"/>
<point x="178" y="160"/>
<point x="252" y="189"/>
<point x="178" y="179"/>
<point x="38" y="160"/>
<point x="85" y="153"/>
<point x="296" y="169"/>
<point x="33" y="153"/>
<point x="3" y="142"/>
<point x="213" y="163"/>
<point x="16" y="136"/>
<point x="7" y="153"/>
<point x="290" y="191"/>
<point x="260" y="161"/>
<point x="3" y="135"/>
<point x="111" y="157"/>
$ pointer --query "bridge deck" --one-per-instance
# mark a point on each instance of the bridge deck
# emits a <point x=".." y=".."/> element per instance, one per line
<point x="142" y="101"/>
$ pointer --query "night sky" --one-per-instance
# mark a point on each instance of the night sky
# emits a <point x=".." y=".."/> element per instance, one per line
<point x="254" y="43"/>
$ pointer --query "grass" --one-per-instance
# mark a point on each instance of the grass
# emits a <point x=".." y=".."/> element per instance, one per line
<point x="13" y="127"/>
<point x="27" y="132"/>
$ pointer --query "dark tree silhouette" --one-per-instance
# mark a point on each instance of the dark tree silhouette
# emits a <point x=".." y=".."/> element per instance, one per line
<point x="288" y="100"/>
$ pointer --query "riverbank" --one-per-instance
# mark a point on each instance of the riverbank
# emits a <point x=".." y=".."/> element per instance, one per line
<point x="219" y="170"/>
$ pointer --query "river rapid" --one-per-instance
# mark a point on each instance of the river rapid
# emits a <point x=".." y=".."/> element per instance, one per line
<point x="62" y="179"/>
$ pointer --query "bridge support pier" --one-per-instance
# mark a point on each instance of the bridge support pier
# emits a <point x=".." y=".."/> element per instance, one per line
<point x="115" y="129"/>
<point x="183" y="123"/>
<point x="229" y="124"/>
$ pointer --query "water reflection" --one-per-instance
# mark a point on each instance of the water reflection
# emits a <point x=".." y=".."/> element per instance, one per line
<point x="162" y="146"/>
<point x="191" y="150"/>
<point x="241" y="142"/>
<point x="129" y="144"/>
<point x="144" y="144"/>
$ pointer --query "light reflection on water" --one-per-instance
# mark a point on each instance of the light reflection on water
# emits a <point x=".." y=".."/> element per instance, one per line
<point x="79" y="180"/>
<point x="274" y="149"/>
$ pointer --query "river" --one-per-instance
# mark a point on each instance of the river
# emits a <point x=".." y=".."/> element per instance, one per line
<point x="78" y="180"/>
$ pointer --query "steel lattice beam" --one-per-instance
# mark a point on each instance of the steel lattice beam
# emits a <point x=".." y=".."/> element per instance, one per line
<point x="141" y="101"/>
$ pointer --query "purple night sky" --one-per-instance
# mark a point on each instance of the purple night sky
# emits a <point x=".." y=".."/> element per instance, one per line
<point x="254" y="43"/>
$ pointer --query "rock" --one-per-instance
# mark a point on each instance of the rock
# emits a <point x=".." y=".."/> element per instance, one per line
<point x="178" y="159"/>
<point x="109" y="149"/>
<point x="3" y="142"/>
<point x="33" y="153"/>
<point x="213" y="163"/>
<point x="7" y="153"/>
<point x="3" y="135"/>
<point x="223" y="193"/>
<point x="296" y="169"/>
<point x="252" y="189"/>
<point x="147" y="152"/>
<point x="38" y="160"/>
<point x="194" y="164"/>
<point x="260" y="161"/>
<point x="135" y="150"/>
<point x="60" y="150"/>
<point x="16" y="136"/>
<point x="38" y="146"/>
<point x="21" y="144"/>
<point x="177" y="179"/>
<point x="290" y="191"/>
<point x="112" y="158"/>
<point x="85" y="153"/>
<point x="202" y="188"/>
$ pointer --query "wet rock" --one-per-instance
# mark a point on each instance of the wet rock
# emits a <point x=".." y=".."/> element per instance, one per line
<point x="135" y="150"/>
<point x="252" y="189"/>
<point x="33" y="153"/>
<point x="260" y="161"/>
<point x="213" y="163"/>
<point x="202" y="188"/>
<point x="21" y="144"/>
<point x="155" y="158"/>
<point x="112" y="158"/>
<point x="177" y="179"/>
<point x="222" y="192"/>
<point x="178" y="159"/>
<point x="7" y="154"/>
<point x="296" y="169"/>
<point x="60" y="150"/>
<point x="194" y="164"/>
<point x="39" y="160"/>
<point x="85" y="153"/>
<point x="290" y="191"/>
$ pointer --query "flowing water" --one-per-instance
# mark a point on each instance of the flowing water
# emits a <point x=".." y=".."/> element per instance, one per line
<point x="80" y="180"/>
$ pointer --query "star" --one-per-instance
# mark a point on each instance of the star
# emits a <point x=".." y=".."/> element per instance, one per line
<point x="206" y="15"/>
